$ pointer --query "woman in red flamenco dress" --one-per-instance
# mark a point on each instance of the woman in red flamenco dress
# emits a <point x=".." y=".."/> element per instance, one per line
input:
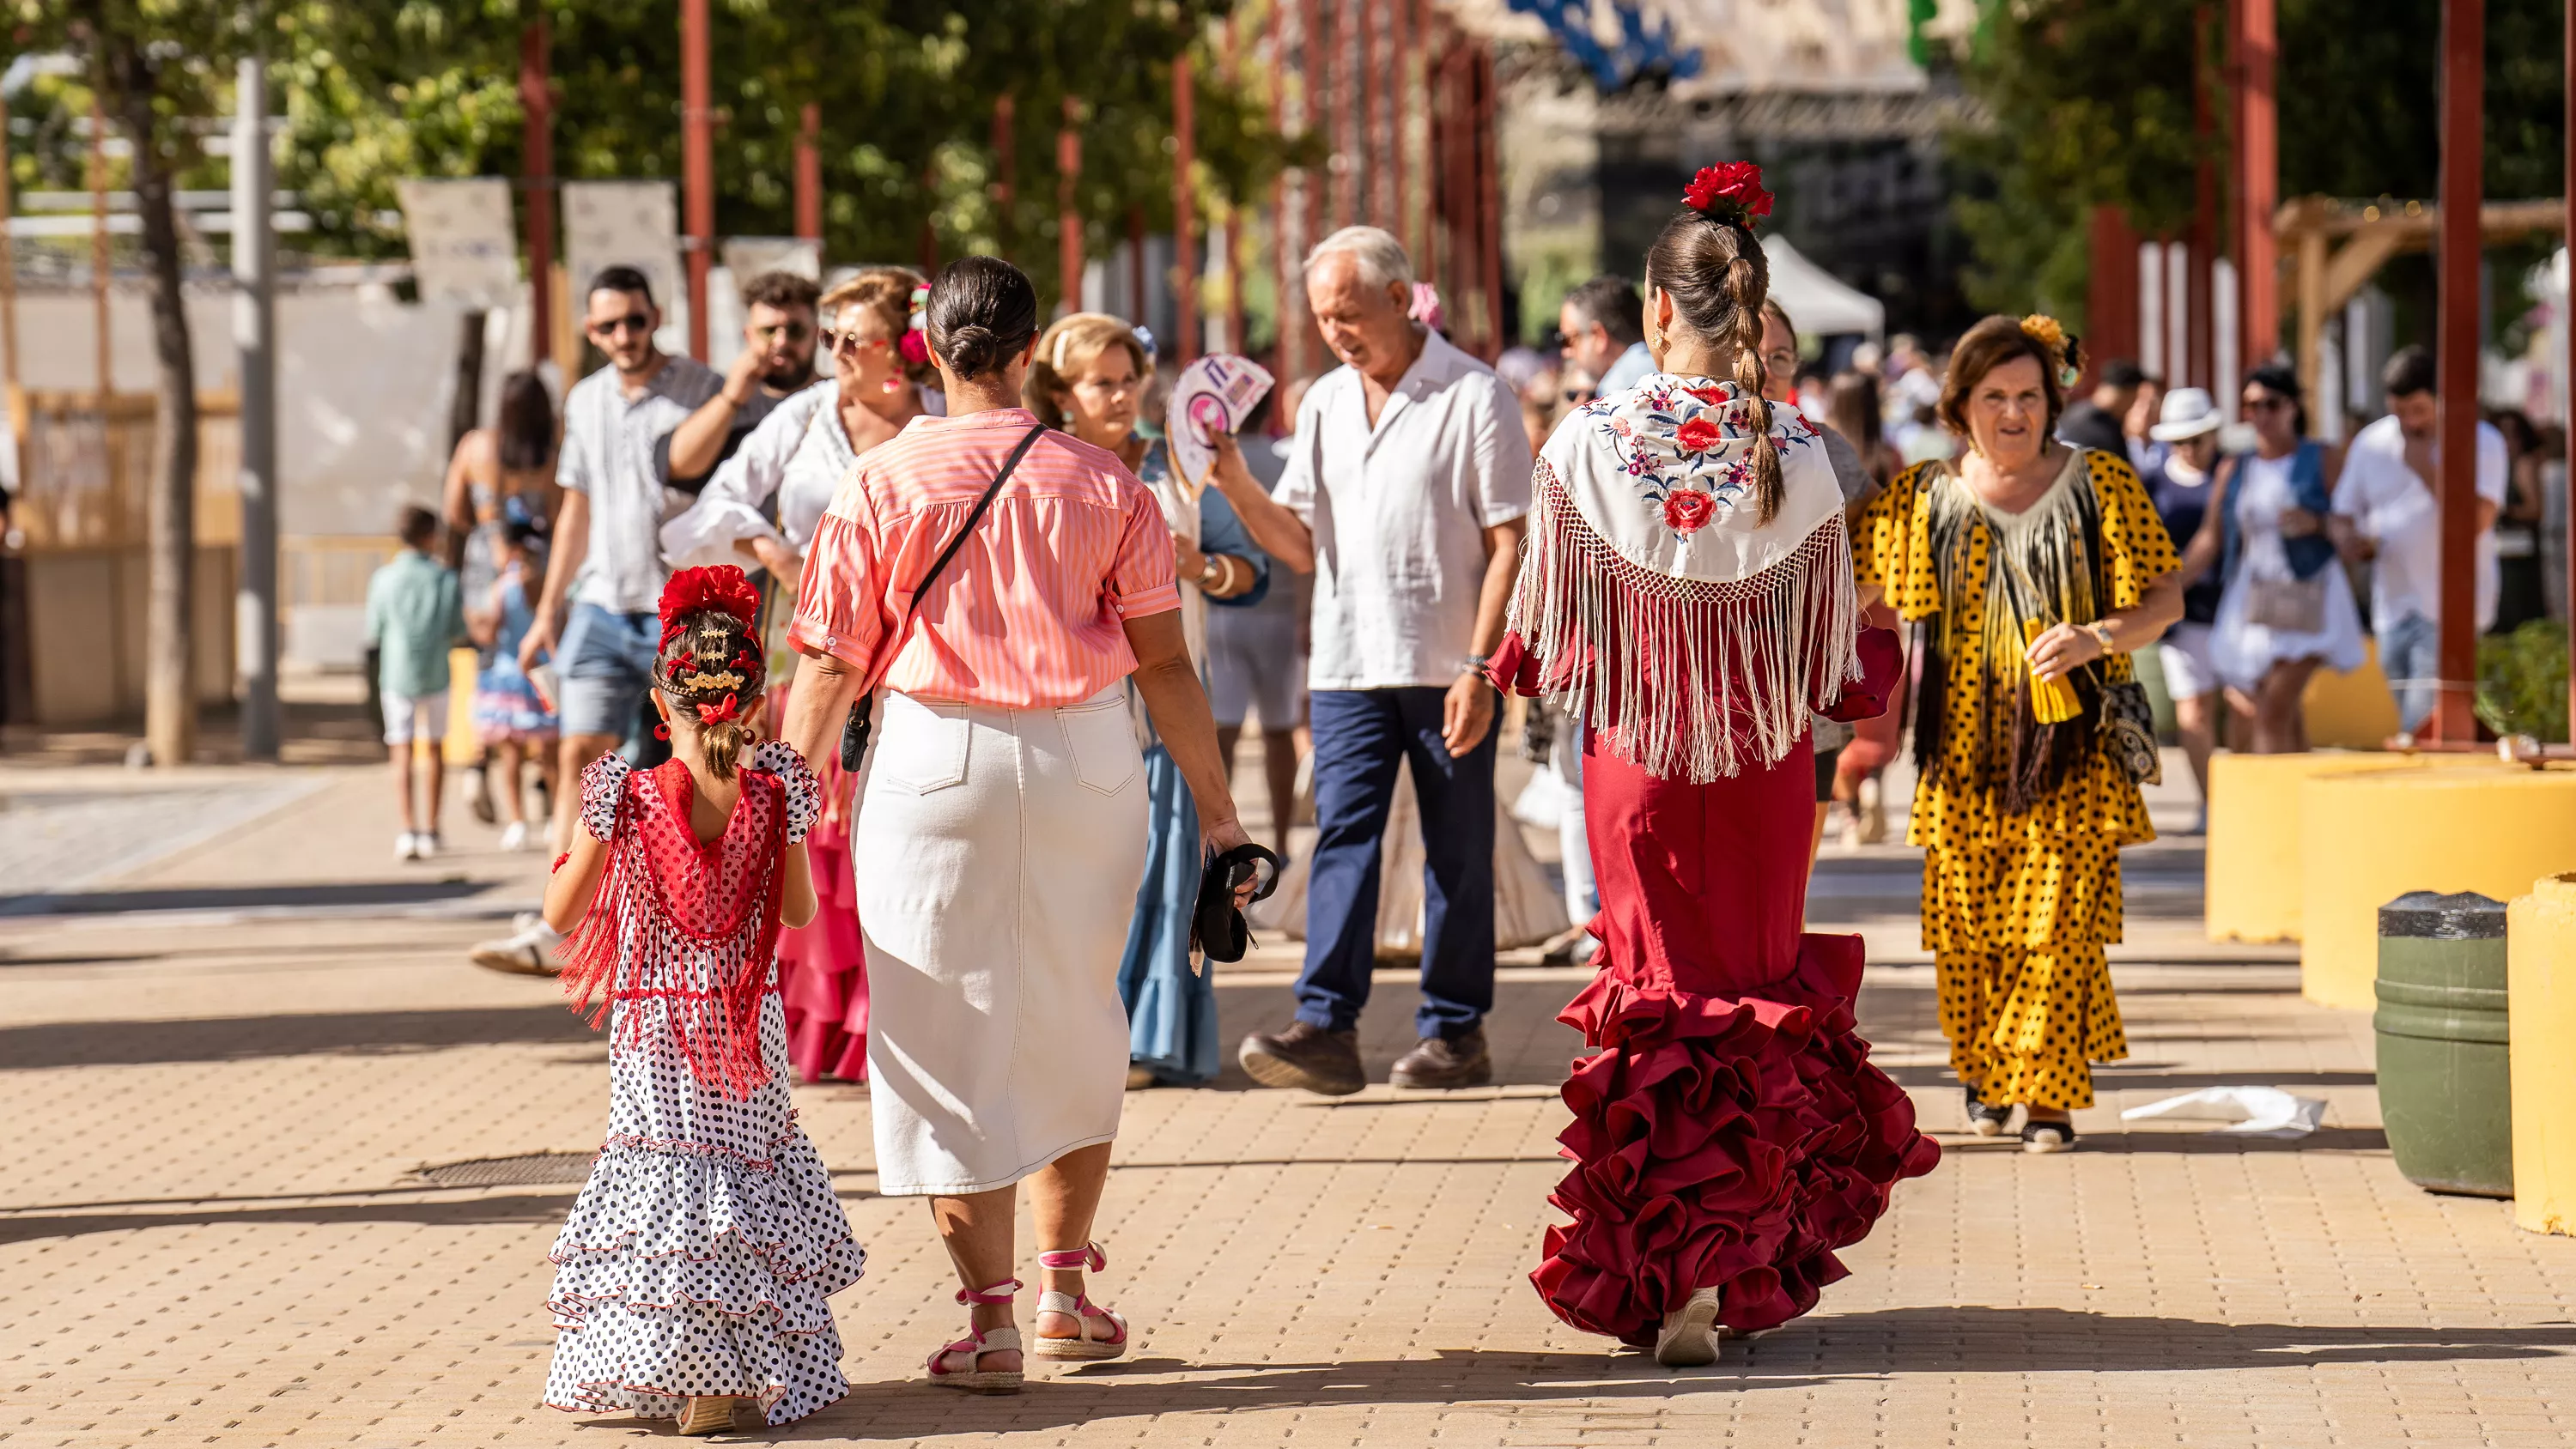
<point x="1687" y="597"/>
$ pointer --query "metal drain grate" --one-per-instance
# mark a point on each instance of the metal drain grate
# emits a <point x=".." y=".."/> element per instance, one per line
<point x="521" y="1171"/>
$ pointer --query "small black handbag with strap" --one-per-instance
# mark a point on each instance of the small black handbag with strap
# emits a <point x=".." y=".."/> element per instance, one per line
<point x="854" y="731"/>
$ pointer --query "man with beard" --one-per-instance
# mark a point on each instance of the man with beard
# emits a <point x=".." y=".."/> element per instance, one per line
<point x="776" y="361"/>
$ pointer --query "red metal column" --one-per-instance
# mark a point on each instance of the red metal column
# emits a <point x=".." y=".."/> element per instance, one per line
<point x="1315" y="69"/>
<point x="2194" y="365"/>
<point x="1136" y="264"/>
<point x="2111" y="301"/>
<point x="1346" y="143"/>
<point x="2456" y="357"/>
<point x="1068" y="217"/>
<point x="697" y="167"/>
<point x="1283" y="349"/>
<point x="537" y="109"/>
<point x="809" y="173"/>
<point x="1489" y="210"/>
<point x="2258" y="150"/>
<point x="1427" y="42"/>
<point x="1400" y="132"/>
<point x="1185" y="250"/>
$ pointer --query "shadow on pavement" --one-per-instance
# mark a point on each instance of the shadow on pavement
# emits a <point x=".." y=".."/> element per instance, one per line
<point x="328" y="895"/>
<point x="549" y="1207"/>
<point x="239" y="1038"/>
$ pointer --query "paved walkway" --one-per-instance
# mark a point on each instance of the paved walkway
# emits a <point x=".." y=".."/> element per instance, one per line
<point x="225" y="1067"/>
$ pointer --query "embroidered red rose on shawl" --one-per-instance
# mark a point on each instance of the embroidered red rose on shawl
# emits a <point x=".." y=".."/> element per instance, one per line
<point x="1687" y="512"/>
<point x="1713" y="394"/>
<point x="1732" y="192"/>
<point x="1698" y="435"/>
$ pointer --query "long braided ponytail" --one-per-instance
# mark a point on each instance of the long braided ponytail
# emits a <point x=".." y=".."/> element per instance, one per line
<point x="1708" y="262"/>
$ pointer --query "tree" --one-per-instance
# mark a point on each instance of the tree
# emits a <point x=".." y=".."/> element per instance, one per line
<point x="2090" y="101"/>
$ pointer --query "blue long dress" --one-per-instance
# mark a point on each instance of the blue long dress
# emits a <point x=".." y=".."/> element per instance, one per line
<point x="1171" y="1010"/>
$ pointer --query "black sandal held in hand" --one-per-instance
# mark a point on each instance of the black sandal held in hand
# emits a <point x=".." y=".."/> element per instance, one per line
<point x="1217" y="926"/>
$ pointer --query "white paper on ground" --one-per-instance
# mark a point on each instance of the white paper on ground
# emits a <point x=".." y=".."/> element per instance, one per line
<point x="2251" y="1111"/>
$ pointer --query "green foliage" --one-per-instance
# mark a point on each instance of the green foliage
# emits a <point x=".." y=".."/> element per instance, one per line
<point x="377" y="90"/>
<point x="2522" y="681"/>
<point x="2090" y="102"/>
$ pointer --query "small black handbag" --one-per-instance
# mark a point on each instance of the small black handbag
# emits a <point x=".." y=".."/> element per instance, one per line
<point x="1217" y="926"/>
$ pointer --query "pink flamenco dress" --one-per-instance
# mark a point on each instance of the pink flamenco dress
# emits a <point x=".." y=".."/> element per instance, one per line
<point x="699" y="1257"/>
<point x="823" y="964"/>
<point x="1731" y="1134"/>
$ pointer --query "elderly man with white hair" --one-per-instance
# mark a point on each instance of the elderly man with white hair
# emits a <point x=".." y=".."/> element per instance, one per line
<point x="1404" y="495"/>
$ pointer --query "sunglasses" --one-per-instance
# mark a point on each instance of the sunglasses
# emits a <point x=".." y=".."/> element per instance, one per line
<point x="2266" y="403"/>
<point x="837" y="342"/>
<point x="631" y="322"/>
<point x="795" y="331"/>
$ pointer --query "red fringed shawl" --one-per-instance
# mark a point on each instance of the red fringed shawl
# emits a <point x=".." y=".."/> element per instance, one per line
<point x="692" y="926"/>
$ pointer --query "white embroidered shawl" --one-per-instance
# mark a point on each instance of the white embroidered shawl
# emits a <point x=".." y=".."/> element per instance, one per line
<point x="1652" y="604"/>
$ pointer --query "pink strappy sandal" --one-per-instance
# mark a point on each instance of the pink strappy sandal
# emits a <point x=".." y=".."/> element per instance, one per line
<point x="972" y="1377"/>
<point x="1087" y="1347"/>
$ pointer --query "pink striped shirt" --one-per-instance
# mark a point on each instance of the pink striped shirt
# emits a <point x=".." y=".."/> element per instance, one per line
<point x="1029" y="612"/>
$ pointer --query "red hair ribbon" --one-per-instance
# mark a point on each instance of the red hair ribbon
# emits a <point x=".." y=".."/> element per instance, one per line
<point x="745" y="660"/>
<point x="731" y="709"/>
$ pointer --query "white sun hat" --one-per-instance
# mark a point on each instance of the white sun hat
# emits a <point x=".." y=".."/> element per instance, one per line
<point x="2188" y="413"/>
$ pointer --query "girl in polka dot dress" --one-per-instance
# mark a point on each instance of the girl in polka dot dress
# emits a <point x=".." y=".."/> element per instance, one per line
<point x="690" y="1279"/>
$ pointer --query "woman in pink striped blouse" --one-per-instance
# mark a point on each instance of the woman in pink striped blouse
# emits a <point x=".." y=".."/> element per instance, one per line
<point x="1000" y="835"/>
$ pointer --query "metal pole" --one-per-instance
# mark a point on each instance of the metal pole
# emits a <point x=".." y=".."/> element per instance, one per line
<point x="1346" y="161"/>
<point x="2194" y="363"/>
<point x="254" y="339"/>
<point x="8" y="299"/>
<point x="100" y="261"/>
<point x="809" y="173"/>
<point x="1400" y="129"/>
<point x="2456" y="361"/>
<point x="2259" y="149"/>
<point x="1185" y="251"/>
<point x="537" y="107"/>
<point x="1489" y="209"/>
<point x="1068" y="216"/>
<point x="697" y="166"/>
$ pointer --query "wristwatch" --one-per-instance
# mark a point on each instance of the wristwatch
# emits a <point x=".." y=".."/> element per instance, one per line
<point x="1213" y="571"/>
<point x="2101" y="633"/>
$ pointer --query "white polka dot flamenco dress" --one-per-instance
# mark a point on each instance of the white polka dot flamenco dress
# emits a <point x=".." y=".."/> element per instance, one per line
<point x="697" y="1260"/>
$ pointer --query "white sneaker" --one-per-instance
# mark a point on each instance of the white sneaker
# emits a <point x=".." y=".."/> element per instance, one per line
<point x="426" y="844"/>
<point x="528" y="952"/>
<point x="406" y="846"/>
<point x="514" y="836"/>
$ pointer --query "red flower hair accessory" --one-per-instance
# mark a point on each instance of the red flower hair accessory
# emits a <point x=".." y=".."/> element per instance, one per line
<point x="1731" y="193"/>
<point x="722" y="587"/>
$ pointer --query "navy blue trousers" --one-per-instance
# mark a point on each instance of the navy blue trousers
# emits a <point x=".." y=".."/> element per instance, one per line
<point x="1360" y="737"/>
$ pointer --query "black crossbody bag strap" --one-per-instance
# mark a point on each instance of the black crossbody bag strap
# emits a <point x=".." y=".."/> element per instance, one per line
<point x="854" y="731"/>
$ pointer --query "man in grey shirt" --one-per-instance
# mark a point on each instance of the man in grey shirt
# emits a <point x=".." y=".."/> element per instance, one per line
<point x="606" y="562"/>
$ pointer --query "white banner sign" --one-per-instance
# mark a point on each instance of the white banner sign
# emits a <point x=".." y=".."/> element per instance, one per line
<point x="463" y="246"/>
<point x="749" y="256"/>
<point x="634" y="224"/>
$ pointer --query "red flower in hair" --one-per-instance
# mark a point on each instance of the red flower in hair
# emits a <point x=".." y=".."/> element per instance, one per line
<point x="731" y="709"/>
<point x="723" y="587"/>
<point x="1729" y="193"/>
<point x="1687" y="512"/>
<point x="1698" y="435"/>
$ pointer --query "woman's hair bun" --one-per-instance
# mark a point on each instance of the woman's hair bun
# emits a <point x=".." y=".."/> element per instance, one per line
<point x="982" y="312"/>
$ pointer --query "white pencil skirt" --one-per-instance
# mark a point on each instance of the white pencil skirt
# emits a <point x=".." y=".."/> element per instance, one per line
<point x="997" y="854"/>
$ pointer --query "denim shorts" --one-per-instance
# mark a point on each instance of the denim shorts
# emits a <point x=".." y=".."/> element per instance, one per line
<point x="606" y="661"/>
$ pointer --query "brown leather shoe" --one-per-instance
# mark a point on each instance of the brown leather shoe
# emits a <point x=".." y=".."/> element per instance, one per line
<point x="1445" y="1063"/>
<point x="1305" y="1056"/>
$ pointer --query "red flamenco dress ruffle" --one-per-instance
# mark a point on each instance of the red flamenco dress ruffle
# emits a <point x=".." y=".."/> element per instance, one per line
<point x="1731" y="1132"/>
<point x="823" y="965"/>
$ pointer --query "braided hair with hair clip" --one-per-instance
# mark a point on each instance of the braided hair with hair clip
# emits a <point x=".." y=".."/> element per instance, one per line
<point x="1708" y="262"/>
<point x="710" y="666"/>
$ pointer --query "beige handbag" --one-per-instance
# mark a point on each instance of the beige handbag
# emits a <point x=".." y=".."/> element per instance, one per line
<point x="2288" y="606"/>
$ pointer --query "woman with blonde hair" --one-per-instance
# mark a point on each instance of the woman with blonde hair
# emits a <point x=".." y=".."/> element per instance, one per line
<point x="2035" y="568"/>
<point x="1089" y="378"/>
<point x="760" y="509"/>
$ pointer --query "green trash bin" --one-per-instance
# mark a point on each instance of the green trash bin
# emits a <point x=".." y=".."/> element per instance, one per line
<point x="2445" y="1079"/>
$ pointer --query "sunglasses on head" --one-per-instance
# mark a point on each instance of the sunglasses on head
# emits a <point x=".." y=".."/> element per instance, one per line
<point x="631" y="322"/>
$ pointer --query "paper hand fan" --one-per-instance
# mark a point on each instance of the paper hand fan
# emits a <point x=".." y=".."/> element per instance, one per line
<point x="1212" y="395"/>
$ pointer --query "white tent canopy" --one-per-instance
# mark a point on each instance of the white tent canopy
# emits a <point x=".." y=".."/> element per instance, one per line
<point x="1819" y="303"/>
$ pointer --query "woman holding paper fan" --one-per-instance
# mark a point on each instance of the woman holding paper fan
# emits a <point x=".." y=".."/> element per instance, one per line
<point x="1088" y="379"/>
<point x="1686" y="594"/>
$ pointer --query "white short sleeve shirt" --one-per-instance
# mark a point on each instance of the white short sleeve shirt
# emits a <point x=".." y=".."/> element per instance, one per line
<point x="608" y="454"/>
<point x="2392" y="508"/>
<point x="1399" y="513"/>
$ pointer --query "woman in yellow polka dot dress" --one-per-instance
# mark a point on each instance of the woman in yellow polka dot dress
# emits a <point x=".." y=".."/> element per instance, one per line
<point x="2034" y="568"/>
